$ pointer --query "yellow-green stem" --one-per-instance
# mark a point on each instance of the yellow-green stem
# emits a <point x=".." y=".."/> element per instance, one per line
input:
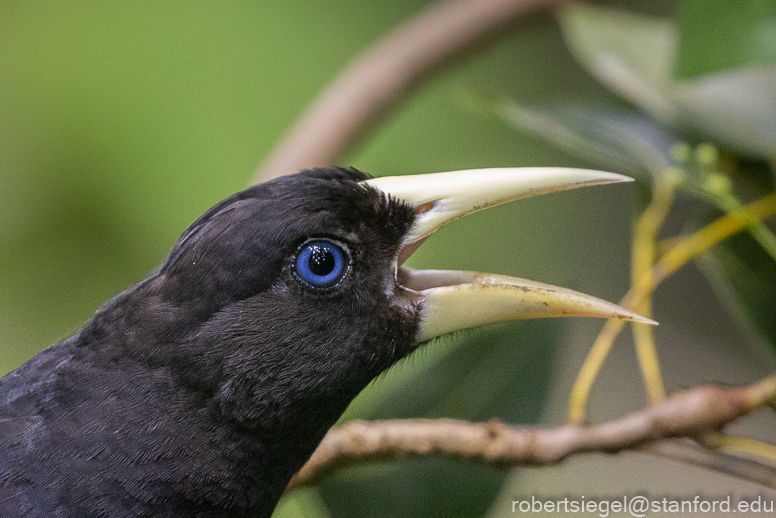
<point x="759" y="231"/>
<point x="643" y="255"/>
<point x="674" y="259"/>
<point x="742" y="445"/>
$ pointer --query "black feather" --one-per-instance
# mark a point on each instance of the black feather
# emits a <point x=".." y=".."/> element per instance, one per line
<point x="202" y="389"/>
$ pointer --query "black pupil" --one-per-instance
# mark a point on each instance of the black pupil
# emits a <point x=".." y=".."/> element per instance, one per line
<point x="321" y="261"/>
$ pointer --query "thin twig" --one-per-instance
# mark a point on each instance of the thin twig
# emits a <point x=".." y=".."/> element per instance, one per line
<point x="693" y="413"/>
<point x="376" y="79"/>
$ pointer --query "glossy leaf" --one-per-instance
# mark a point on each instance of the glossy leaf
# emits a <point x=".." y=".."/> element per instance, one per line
<point x="621" y="141"/>
<point x="737" y="108"/>
<point x="631" y="54"/>
<point x="634" y="55"/>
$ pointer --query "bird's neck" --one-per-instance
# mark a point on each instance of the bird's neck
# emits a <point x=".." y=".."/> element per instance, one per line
<point x="259" y="381"/>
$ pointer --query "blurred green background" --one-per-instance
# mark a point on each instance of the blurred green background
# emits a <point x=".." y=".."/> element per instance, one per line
<point x="121" y="122"/>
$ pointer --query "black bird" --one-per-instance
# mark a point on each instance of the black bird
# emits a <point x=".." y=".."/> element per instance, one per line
<point x="201" y="390"/>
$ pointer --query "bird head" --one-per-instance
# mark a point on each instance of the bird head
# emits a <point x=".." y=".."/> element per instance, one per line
<point x="286" y="299"/>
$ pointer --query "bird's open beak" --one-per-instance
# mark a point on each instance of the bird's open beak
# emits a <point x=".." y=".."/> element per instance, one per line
<point x="453" y="300"/>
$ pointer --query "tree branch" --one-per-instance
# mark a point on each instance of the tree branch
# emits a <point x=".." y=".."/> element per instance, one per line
<point x="692" y="414"/>
<point x="379" y="77"/>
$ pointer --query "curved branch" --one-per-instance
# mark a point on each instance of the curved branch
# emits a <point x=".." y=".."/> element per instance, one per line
<point x="376" y="79"/>
<point x="692" y="414"/>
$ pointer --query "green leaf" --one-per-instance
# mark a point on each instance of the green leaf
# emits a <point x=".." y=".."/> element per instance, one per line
<point x="744" y="277"/>
<point x="736" y="108"/>
<point x="634" y="56"/>
<point x="716" y="35"/>
<point x="616" y="140"/>
<point x="631" y="54"/>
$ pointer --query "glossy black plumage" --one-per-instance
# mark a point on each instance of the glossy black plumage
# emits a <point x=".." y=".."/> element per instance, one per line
<point x="202" y="389"/>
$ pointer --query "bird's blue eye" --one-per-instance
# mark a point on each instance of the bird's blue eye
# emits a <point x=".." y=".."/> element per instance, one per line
<point x="322" y="264"/>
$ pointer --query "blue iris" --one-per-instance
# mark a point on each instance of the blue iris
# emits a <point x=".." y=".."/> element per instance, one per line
<point x="322" y="264"/>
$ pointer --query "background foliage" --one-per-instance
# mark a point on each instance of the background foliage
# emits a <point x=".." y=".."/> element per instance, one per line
<point x="121" y="122"/>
